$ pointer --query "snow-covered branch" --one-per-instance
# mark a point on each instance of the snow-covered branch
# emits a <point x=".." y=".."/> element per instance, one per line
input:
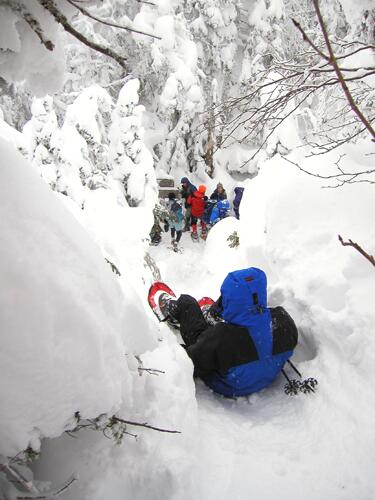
<point x="112" y="24"/>
<point x="60" y="18"/>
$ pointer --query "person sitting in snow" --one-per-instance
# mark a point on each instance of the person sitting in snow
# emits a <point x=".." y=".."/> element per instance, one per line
<point x="175" y="218"/>
<point x="187" y="189"/>
<point x="241" y="345"/>
<point x="197" y="201"/>
<point x="219" y="193"/>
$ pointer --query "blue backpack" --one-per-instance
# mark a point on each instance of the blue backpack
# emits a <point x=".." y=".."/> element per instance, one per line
<point x="175" y="212"/>
<point x="220" y="211"/>
<point x="244" y="303"/>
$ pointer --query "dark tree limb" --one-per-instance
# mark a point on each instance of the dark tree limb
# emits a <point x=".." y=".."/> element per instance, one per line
<point x="350" y="243"/>
<point x="148" y="3"/>
<point x="147" y="426"/>
<point x="31" y="21"/>
<point x="309" y="41"/>
<point x="59" y="17"/>
<point x="86" y="13"/>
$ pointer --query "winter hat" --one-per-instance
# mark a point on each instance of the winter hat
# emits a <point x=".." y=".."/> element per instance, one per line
<point x="171" y="196"/>
<point x="184" y="180"/>
<point x="219" y="184"/>
<point x="202" y="188"/>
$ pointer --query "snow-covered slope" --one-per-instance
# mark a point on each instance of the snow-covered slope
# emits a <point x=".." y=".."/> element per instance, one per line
<point x="268" y="444"/>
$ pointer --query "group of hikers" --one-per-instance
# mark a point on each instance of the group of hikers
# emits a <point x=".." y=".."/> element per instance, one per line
<point x="193" y="208"/>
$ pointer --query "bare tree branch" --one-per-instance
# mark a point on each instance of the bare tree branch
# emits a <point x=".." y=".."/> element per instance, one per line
<point x="309" y="41"/>
<point x="17" y="478"/>
<point x="107" y="23"/>
<point x="53" y="494"/>
<point x="332" y="60"/>
<point x="148" y="3"/>
<point x="31" y="21"/>
<point x="147" y="426"/>
<point x="342" y="177"/>
<point x="59" y="17"/>
<point x="350" y="243"/>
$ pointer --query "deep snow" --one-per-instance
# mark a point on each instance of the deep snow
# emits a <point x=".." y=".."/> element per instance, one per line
<point x="72" y="330"/>
<point x="269" y="444"/>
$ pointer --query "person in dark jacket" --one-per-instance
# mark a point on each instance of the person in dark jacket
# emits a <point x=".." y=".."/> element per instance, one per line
<point x="244" y="351"/>
<point x="238" y="192"/>
<point x="187" y="189"/>
<point x="219" y="193"/>
<point x="197" y="201"/>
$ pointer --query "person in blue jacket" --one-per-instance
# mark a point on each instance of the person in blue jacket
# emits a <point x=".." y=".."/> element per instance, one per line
<point x="238" y="193"/>
<point x="175" y="219"/>
<point x="242" y="345"/>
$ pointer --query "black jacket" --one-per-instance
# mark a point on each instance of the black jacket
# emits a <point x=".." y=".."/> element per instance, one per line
<point x="223" y="346"/>
<point x="187" y="191"/>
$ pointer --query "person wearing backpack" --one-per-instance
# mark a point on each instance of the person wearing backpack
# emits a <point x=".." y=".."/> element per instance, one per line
<point x="175" y="219"/>
<point x="187" y="189"/>
<point x="197" y="201"/>
<point x="241" y="345"/>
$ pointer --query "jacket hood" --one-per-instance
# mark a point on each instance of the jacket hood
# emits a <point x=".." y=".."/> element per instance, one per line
<point x="244" y="294"/>
<point x="198" y="194"/>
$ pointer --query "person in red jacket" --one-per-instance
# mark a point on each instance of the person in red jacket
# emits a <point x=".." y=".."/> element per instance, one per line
<point x="197" y="201"/>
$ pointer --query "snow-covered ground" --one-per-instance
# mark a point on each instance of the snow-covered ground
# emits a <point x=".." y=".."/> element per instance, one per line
<point x="78" y="337"/>
<point x="269" y="444"/>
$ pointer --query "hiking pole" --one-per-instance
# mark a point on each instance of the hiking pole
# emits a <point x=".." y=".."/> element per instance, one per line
<point x="294" y="386"/>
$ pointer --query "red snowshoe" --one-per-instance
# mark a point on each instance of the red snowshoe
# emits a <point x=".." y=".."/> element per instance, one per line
<point x="159" y="296"/>
<point x="205" y="304"/>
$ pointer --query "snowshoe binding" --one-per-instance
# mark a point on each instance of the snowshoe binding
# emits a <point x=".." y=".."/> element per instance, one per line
<point x="204" y="233"/>
<point x="162" y="301"/>
<point x="175" y="247"/>
<point x="194" y="237"/>
<point x="205" y="303"/>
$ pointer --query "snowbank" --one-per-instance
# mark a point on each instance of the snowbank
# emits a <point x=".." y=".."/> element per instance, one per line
<point x="62" y="315"/>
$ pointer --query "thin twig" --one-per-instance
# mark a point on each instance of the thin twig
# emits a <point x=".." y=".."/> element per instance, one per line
<point x="151" y="371"/>
<point x="308" y="40"/>
<point x="138" y="424"/>
<point x="148" y="3"/>
<point x="341" y="176"/>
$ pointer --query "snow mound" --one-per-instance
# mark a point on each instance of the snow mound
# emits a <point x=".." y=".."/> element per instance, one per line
<point x="62" y="315"/>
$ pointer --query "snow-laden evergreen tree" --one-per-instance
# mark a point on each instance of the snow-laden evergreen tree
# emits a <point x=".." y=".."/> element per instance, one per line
<point x="131" y="162"/>
<point x="216" y="34"/>
<point x="39" y="132"/>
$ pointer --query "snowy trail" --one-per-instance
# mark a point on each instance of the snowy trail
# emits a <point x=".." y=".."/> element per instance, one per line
<point x="270" y="443"/>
